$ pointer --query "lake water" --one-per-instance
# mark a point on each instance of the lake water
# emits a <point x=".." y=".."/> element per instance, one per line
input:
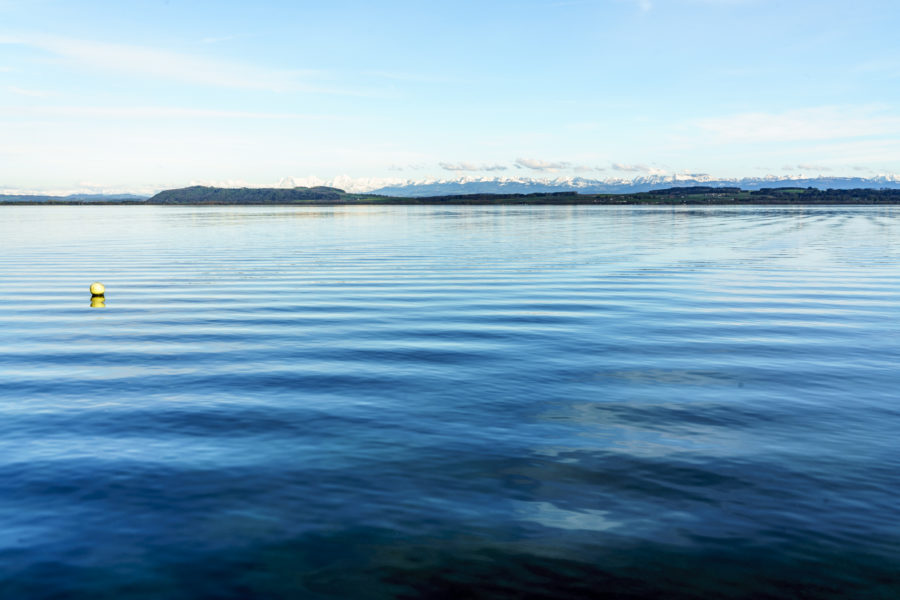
<point x="450" y="402"/>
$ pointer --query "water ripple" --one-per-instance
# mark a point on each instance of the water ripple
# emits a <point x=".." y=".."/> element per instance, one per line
<point x="480" y="402"/>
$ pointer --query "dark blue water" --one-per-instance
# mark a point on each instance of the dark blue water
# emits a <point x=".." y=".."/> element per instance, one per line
<point x="450" y="402"/>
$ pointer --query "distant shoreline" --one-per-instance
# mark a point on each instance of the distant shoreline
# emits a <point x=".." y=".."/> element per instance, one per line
<point x="323" y="196"/>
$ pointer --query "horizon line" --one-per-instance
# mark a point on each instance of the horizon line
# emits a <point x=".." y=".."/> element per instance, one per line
<point x="374" y="184"/>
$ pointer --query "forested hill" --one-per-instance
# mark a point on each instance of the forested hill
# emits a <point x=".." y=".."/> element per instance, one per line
<point x="212" y="195"/>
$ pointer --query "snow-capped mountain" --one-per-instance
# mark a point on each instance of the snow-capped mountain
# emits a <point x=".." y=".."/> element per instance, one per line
<point x="526" y="185"/>
<point x="398" y="186"/>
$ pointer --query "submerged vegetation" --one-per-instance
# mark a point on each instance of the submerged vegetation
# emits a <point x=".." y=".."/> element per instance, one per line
<point x="697" y="195"/>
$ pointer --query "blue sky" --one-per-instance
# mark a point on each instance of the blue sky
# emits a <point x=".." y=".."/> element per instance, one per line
<point x="145" y="95"/>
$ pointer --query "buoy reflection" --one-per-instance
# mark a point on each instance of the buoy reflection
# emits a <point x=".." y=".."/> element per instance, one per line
<point x="98" y="300"/>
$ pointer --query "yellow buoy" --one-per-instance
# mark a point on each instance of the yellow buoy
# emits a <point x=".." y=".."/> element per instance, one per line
<point x="97" y="289"/>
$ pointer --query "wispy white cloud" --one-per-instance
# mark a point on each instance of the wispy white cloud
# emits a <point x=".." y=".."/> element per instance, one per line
<point x="724" y="2"/>
<point x="223" y="38"/>
<point x="401" y="76"/>
<point x="878" y="153"/>
<point x="150" y="112"/>
<point x="819" y="123"/>
<point x="885" y="67"/>
<point x="643" y="5"/>
<point x="639" y="168"/>
<point x="647" y="5"/>
<point x="142" y="61"/>
<point x="467" y="166"/>
<point x="541" y="165"/>
<point x="26" y="92"/>
<point x="584" y="126"/>
<point x="409" y="167"/>
<point x="817" y="168"/>
<point x="571" y="3"/>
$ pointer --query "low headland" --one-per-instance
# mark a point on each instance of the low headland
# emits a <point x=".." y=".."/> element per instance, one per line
<point x="328" y="196"/>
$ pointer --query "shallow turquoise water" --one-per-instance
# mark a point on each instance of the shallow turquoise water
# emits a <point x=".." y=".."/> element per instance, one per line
<point x="484" y="402"/>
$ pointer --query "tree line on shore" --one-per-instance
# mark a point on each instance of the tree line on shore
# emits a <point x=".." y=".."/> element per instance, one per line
<point x="697" y="195"/>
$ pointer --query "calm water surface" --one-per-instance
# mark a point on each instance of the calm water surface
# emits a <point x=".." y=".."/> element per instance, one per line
<point x="450" y="402"/>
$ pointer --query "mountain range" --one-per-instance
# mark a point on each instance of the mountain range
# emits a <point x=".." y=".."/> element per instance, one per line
<point x="524" y="185"/>
<point x="409" y="188"/>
